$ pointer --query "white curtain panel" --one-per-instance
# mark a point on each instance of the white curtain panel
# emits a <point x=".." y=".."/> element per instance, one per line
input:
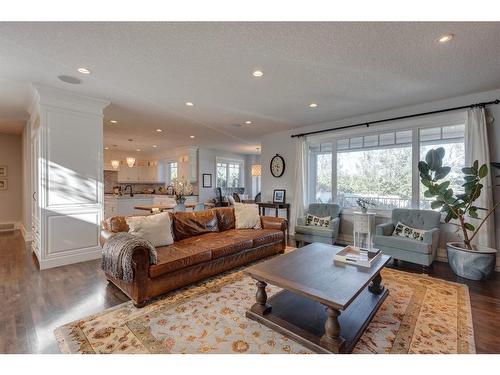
<point x="299" y="203"/>
<point x="476" y="148"/>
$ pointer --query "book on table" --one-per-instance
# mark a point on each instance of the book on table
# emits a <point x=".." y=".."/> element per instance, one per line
<point x="357" y="256"/>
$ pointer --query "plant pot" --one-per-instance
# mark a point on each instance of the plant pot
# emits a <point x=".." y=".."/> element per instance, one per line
<point x="364" y="210"/>
<point x="477" y="264"/>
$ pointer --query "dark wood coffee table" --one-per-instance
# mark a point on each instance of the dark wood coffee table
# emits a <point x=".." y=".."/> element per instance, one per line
<point x="325" y="305"/>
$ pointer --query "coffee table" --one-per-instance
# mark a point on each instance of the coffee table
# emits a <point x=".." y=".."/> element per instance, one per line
<point x="324" y="305"/>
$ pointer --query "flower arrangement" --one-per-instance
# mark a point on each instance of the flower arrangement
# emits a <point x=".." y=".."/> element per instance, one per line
<point x="182" y="187"/>
<point x="363" y="203"/>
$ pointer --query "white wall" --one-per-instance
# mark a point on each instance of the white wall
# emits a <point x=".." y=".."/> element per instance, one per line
<point x="283" y="144"/>
<point x="11" y="206"/>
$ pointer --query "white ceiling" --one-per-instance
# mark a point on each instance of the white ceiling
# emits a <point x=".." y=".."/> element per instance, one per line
<point x="149" y="70"/>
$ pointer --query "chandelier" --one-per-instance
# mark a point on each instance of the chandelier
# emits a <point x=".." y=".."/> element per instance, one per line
<point x="115" y="164"/>
<point x="130" y="161"/>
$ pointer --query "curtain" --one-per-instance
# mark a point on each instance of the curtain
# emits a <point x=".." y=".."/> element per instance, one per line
<point x="476" y="148"/>
<point x="299" y="203"/>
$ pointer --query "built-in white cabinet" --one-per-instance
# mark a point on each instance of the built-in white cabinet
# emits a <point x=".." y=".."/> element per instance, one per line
<point x="154" y="173"/>
<point x="67" y="176"/>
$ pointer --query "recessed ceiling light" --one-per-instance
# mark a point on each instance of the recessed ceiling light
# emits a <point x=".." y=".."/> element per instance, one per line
<point x="155" y="146"/>
<point x="248" y="122"/>
<point x="113" y="121"/>
<point x="257" y="148"/>
<point x="138" y="150"/>
<point x="84" y="70"/>
<point x="313" y="105"/>
<point x="115" y="145"/>
<point x="106" y="148"/>
<point x="445" y="38"/>
<point x="191" y="136"/>
<point x="189" y="104"/>
<point x="159" y="130"/>
<point x="257" y="73"/>
<point x="70" y="79"/>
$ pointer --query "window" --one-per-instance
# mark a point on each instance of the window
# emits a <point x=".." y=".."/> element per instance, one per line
<point x="172" y="171"/>
<point x="451" y="138"/>
<point x="376" y="167"/>
<point x="383" y="167"/>
<point x="229" y="174"/>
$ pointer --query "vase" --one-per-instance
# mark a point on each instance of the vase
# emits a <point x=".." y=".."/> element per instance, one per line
<point x="180" y="200"/>
<point x="477" y="264"/>
<point x="364" y="210"/>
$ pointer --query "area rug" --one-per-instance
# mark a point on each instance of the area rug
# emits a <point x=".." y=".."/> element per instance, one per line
<point x="421" y="315"/>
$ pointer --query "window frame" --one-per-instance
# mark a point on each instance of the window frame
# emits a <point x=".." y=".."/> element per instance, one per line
<point x="228" y="162"/>
<point x="169" y="171"/>
<point x="413" y="124"/>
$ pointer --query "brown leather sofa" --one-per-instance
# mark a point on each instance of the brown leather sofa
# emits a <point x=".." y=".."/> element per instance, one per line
<point x="206" y="243"/>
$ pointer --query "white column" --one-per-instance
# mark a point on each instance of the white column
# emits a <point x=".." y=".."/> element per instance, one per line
<point x="70" y="159"/>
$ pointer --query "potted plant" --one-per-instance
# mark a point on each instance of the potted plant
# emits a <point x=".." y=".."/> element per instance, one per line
<point x="466" y="260"/>
<point x="363" y="204"/>
<point x="182" y="187"/>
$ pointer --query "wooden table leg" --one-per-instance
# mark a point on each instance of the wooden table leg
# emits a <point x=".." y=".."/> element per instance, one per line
<point x="260" y="306"/>
<point x="376" y="286"/>
<point x="332" y="340"/>
<point x="277" y="211"/>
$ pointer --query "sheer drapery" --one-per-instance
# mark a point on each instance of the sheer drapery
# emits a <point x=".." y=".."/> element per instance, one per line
<point x="476" y="148"/>
<point x="300" y="181"/>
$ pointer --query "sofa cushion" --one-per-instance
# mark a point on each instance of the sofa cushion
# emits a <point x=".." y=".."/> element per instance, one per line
<point x="222" y="245"/>
<point x="403" y="243"/>
<point x="190" y="224"/>
<point x="180" y="255"/>
<point x="247" y="216"/>
<point x="225" y="217"/>
<point x="259" y="237"/>
<point x="312" y="230"/>
<point x="157" y="229"/>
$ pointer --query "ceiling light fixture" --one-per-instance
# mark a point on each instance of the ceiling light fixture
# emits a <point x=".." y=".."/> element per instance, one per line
<point x="313" y="105"/>
<point x="130" y="161"/>
<point x="159" y="130"/>
<point x="154" y="146"/>
<point x="189" y="104"/>
<point x="115" y="164"/>
<point x="106" y="148"/>
<point x="257" y="73"/>
<point x="138" y="150"/>
<point x="191" y="136"/>
<point x="248" y="122"/>
<point x="445" y="38"/>
<point x="84" y="70"/>
<point x="113" y="121"/>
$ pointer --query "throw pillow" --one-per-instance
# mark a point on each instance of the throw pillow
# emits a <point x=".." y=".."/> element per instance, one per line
<point x="157" y="229"/>
<point x="402" y="230"/>
<point x="231" y="200"/>
<point x="318" y="221"/>
<point x="246" y="216"/>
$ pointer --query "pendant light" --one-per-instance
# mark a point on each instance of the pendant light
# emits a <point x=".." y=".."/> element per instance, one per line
<point x="115" y="164"/>
<point x="130" y="159"/>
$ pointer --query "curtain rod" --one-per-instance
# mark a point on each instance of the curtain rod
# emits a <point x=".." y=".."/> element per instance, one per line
<point x="367" y="124"/>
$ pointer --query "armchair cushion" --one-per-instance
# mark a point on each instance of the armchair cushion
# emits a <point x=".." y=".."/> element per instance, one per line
<point x="385" y="229"/>
<point x="315" y="231"/>
<point x="403" y="243"/>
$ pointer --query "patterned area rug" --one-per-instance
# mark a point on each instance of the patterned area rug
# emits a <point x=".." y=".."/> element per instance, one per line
<point x="420" y="315"/>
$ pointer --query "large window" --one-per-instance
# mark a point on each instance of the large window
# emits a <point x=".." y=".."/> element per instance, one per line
<point x="172" y="171"/>
<point x="229" y="174"/>
<point x="381" y="167"/>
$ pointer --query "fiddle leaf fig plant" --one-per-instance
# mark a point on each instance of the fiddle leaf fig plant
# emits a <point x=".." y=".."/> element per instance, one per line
<point x="458" y="207"/>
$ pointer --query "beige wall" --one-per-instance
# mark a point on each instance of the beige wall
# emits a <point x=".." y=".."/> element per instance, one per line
<point x="11" y="199"/>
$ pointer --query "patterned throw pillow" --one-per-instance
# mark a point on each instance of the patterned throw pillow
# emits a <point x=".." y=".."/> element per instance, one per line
<point x="402" y="230"/>
<point x="318" y="221"/>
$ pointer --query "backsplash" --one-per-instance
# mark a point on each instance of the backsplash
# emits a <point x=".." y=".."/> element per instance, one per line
<point x="111" y="180"/>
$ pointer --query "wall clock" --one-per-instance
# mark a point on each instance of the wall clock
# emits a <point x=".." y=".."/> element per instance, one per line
<point x="277" y="166"/>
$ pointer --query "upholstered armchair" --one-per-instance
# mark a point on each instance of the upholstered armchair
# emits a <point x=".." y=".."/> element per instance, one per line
<point x="311" y="233"/>
<point x="422" y="252"/>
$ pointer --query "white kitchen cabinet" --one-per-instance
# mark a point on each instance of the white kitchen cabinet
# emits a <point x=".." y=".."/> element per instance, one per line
<point x="127" y="174"/>
<point x="142" y="174"/>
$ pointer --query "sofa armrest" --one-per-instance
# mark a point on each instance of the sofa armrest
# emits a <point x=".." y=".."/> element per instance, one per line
<point x="270" y="222"/>
<point x="104" y="237"/>
<point x="385" y="229"/>
<point x="432" y="236"/>
<point x="334" y="225"/>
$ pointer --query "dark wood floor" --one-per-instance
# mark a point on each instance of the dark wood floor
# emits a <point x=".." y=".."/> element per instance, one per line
<point x="34" y="303"/>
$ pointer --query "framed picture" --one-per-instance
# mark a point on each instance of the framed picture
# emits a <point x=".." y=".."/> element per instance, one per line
<point x="279" y="195"/>
<point x="3" y="184"/>
<point x="207" y="180"/>
<point x="3" y="171"/>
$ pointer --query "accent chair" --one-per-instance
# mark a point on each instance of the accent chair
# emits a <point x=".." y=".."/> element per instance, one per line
<point x="312" y="233"/>
<point x="408" y="249"/>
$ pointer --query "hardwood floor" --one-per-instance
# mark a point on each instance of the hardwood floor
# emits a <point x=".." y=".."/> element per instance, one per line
<point x="35" y="302"/>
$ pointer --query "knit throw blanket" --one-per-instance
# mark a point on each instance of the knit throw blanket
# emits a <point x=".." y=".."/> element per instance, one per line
<point x="117" y="255"/>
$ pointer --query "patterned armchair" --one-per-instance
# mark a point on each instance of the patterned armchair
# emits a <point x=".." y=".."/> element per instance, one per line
<point x="422" y="252"/>
<point x="311" y="233"/>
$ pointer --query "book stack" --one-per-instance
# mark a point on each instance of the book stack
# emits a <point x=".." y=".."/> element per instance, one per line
<point x="357" y="256"/>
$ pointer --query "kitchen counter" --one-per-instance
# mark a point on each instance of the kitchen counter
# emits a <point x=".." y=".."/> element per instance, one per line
<point x="125" y="204"/>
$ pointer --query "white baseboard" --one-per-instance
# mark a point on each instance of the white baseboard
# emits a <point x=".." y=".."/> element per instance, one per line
<point x="26" y="234"/>
<point x="70" y="259"/>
